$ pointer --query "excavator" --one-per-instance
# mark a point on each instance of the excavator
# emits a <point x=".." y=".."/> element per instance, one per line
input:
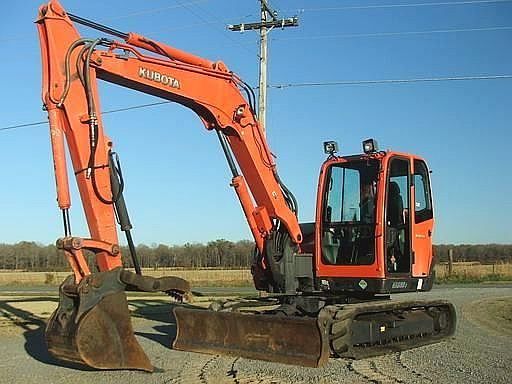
<point x="326" y="285"/>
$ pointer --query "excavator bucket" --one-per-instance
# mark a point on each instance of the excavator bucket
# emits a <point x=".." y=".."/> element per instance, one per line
<point x="92" y="326"/>
<point x="102" y="338"/>
<point x="289" y="340"/>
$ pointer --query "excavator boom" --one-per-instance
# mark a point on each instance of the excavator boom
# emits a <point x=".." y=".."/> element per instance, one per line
<point x="209" y="89"/>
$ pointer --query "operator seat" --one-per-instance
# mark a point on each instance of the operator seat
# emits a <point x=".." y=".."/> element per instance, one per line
<point x="395" y="205"/>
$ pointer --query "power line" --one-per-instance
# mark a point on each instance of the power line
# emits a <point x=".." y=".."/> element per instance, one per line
<point x="186" y="26"/>
<point x="411" y="5"/>
<point x="207" y="22"/>
<point x="139" y="106"/>
<point x="384" y="34"/>
<point x="128" y="15"/>
<point x="217" y="21"/>
<point x="268" y="21"/>
<point x="305" y="84"/>
<point x="390" y="81"/>
<point x="136" y="107"/>
<point x="153" y="10"/>
<point x="353" y="35"/>
<point x="9" y="127"/>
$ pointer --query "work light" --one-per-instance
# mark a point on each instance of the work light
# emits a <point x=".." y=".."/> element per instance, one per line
<point x="330" y="147"/>
<point x="370" y="146"/>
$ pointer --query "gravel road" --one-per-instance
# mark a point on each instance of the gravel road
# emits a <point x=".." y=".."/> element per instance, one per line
<point x="481" y="351"/>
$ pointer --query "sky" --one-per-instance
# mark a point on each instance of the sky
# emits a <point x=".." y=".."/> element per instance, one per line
<point x="177" y="181"/>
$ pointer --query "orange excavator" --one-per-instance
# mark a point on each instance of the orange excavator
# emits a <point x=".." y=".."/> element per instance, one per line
<point x="328" y="282"/>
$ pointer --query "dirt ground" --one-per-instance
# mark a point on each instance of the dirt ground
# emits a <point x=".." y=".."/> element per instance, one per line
<point x="494" y="314"/>
<point x="479" y="353"/>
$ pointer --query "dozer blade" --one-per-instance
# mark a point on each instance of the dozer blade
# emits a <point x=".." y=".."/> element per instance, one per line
<point x="289" y="340"/>
<point x="92" y="326"/>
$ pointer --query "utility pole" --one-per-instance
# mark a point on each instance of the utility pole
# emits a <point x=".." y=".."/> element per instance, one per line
<point x="269" y="20"/>
<point x="262" y="94"/>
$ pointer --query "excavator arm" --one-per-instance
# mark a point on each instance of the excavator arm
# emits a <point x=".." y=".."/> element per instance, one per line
<point x="71" y="66"/>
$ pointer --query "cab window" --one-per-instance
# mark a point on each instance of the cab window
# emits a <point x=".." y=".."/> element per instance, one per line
<point x="422" y="197"/>
<point x="348" y="228"/>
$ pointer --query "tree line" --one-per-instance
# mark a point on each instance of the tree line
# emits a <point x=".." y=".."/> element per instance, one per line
<point x="483" y="253"/>
<point x="31" y="256"/>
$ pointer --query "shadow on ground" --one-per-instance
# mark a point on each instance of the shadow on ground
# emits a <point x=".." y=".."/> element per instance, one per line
<point x="33" y="326"/>
<point x="160" y="311"/>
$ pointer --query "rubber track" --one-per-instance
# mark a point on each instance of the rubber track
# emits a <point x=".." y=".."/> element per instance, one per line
<point x="339" y="337"/>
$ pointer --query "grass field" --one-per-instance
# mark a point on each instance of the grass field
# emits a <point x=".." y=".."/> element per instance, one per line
<point x="461" y="273"/>
<point x="473" y="272"/>
<point x="198" y="277"/>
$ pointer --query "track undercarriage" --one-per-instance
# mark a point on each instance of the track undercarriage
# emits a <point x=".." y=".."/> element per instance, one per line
<point x="307" y="330"/>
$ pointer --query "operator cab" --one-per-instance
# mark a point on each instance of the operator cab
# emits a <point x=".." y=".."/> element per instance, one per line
<point x="367" y="237"/>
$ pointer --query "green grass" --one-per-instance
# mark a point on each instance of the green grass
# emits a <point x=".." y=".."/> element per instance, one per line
<point x="463" y="278"/>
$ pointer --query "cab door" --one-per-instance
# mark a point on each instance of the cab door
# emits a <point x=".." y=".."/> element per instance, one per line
<point x="422" y="219"/>
<point x="397" y="217"/>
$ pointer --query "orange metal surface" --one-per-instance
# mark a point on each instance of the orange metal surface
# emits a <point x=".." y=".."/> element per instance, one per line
<point x="140" y="41"/>
<point x="199" y="84"/>
<point x="421" y="233"/>
<point x="73" y="250"/>
<point x="56" y="34"/>
<point x="247" y="205"/>
<point x="59" y="157"/>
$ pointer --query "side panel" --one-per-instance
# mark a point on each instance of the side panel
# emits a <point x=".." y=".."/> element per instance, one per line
<point x="397" y="222"/>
